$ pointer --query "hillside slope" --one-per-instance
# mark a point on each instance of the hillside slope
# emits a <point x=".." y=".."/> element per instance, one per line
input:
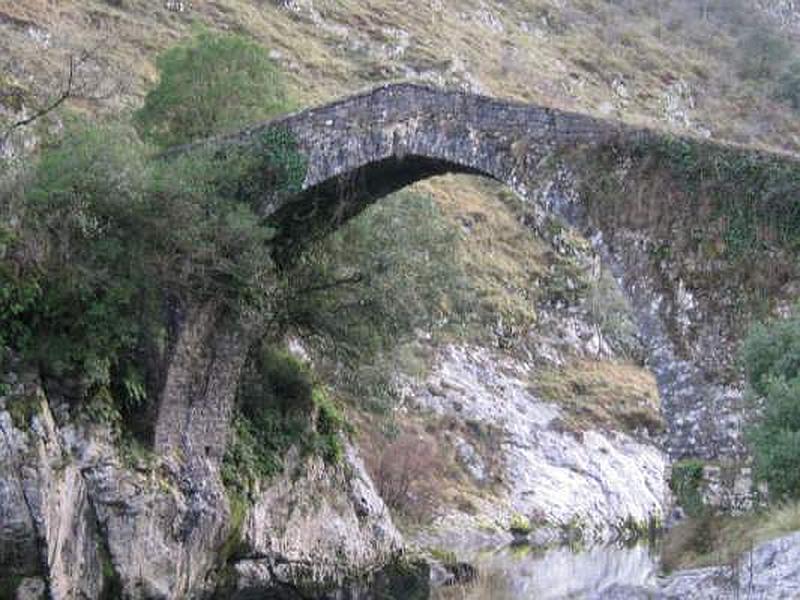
<point x="713" y="70"/>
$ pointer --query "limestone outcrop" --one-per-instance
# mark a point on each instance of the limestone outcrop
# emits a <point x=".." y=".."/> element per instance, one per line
<point x="83" y="516"/>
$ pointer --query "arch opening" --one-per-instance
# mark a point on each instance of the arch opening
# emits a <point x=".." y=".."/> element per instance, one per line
<point x="322" y="208"/>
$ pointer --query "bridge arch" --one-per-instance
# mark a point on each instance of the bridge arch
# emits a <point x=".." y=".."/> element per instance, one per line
<point x="362" y="148"/>
<point x="369" y="145"/>
<point x="366" y="146"/>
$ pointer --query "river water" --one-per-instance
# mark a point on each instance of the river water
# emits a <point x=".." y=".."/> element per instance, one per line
<point x="518" y="573"/>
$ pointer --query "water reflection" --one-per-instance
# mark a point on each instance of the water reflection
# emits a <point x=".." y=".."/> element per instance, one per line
<point x="523" y="573"/>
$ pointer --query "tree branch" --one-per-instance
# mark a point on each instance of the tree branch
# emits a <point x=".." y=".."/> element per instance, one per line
<point x="66" y="93"/>
<point x="328" y="285"/>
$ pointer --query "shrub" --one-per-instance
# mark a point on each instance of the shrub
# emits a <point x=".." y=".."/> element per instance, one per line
<point x="19" y="296"/>
<point x="209" y="84"/>
<point x="86" y="202"/>
<point x="330" y="424"/>
<point x="405" y="475"/>
<point x="772" y="352"/>
<point x="206" y="238"/>
<point x="367" y="287"/>
<point x="122" y="234"/>
<point x="363" y="291"/>
<point x="776" y="439"/>
<point x="106" y="240"/>
<point x="771" y="355"/>
<point x="685" y="483"/>
<point x="279" y="406"/>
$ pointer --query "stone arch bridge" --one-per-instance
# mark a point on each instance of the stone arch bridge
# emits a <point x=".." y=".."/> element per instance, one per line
<point x="369" y="145"/>
<point x="366" y="146"/>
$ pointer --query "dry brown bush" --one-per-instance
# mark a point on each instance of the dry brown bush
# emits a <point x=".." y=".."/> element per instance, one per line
<point x="406" y="472"/>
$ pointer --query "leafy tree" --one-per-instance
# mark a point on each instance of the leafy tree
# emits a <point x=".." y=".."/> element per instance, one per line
<point x="772" y="360"/>
<point x="771" y="353"/>
<point x="392" y="269"/>
<point x="86" y="204"/>
<point x="112" y="237"/>
<point x="206" y="239"/>
<point x="210" y="84"/>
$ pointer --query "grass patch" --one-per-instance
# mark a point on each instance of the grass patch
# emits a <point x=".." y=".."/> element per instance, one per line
<point x="232" y="546"/>
<point x="527" y="49"/>
<point x="506" y="264"/>
<point x="609" y="394"/>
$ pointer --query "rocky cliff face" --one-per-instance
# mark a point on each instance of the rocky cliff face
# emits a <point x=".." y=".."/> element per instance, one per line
<point x="83" y="517"/>
<point x="315" y="531"/>
<point x="49" y="524"/>
<point x="592" y="484"/>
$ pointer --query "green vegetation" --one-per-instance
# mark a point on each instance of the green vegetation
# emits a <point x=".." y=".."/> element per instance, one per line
<point x="752" y="196"/>
<point x="364" y="290"/>
<point x="104" y="238"/>
<point x="771" y="359"/>
<point x="747" y="248"/>
<point x="383" y="274"/>
<point x="747" y="200"/>
<point x="520" y="525"/>
<point x="9" y="585"/>
<point x="17" y="297"/>
<point x="84" y="202"/>
<point x="722" y="539"/>
<point x="233" y="542"/>
<point x="686" y="483"/>
<point x="696" y="541"/>
<point x="210" y="84"/>
<point x="280" y="406"/>
<point x="22" y="409"/>
<point x="771" y="355"/>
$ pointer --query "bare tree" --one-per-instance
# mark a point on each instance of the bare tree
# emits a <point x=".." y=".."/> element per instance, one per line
<point x="406" y="475"/>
